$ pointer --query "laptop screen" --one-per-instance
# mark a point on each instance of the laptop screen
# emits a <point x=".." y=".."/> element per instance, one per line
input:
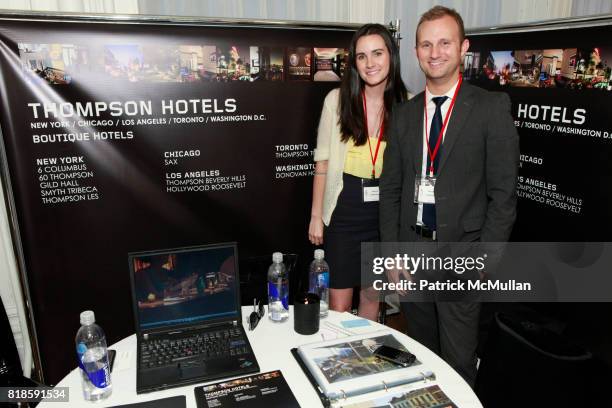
<point x="185" y="286"/>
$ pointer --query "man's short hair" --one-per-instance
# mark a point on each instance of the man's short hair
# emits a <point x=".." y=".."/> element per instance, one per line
<point x="437" y="12"/>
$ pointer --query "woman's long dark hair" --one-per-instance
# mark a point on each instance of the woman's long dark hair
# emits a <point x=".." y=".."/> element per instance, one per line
<point x="351" y="103"/>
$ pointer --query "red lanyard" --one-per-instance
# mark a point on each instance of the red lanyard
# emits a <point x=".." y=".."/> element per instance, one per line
<point x="382" y="128"/>
<point x="432" y="155"/>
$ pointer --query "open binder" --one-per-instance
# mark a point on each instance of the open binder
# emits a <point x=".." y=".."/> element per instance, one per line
<point x="345" y="369"/>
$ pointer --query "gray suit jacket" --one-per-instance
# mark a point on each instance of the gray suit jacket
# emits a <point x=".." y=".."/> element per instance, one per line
<point x="476" y="181"/>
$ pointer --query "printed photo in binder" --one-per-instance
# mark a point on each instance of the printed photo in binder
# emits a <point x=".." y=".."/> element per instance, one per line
<point x="354" y="359"/>
<point x="347" y="367"/>
<point x="408" y="397"/>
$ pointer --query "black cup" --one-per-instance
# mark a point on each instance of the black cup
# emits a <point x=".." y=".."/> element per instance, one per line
<point x="306" y="308"/>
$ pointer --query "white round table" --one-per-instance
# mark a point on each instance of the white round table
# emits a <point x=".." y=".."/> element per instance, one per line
<point x="271" y="343"/>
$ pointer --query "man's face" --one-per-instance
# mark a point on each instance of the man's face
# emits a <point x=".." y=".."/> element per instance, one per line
<point x="439" y="49"/>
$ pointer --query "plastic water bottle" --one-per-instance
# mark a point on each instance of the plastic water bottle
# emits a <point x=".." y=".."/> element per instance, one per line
<point x="93" y="359"/>
<point x="278" y="289"/>
<point x="318" y="278"/>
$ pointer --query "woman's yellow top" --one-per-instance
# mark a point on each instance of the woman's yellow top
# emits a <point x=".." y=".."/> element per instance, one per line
<point x="359" y="161"/>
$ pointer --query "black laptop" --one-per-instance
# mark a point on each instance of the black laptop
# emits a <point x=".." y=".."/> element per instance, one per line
<point x="188" y="319"/>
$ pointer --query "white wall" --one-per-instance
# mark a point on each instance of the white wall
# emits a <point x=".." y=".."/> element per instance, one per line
<point x="10" y="291"/>
<point x="343" y="11"/>
<point x="73" y="6"/>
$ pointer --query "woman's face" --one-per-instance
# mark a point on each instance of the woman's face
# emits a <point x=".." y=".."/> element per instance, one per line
<point x="372" y="59"/>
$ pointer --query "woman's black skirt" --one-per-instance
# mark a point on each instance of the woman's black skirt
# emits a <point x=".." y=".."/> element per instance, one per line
<point x="352" y="223"/>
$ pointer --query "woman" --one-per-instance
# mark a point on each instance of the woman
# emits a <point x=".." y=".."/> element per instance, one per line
<point x="349" y="154"/>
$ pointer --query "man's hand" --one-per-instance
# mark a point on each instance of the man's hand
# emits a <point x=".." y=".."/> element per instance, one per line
<point x="394" y="275"/>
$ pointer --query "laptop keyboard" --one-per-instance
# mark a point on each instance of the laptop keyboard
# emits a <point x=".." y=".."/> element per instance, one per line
<point x="207" y="345"/>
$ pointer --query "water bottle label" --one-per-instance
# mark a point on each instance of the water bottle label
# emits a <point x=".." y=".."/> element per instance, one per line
<point x="97" y="372"/>
<point x="273" y="293"/>
<point x="272" y="290"/>
<point x="100" y="377"/>
<point x="94" y="365"/>
<point x="323" y="280"/>
<point x="319" y="283"/>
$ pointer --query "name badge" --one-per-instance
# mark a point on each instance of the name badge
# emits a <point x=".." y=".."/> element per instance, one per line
<point x="424" y="190"/>
<point x="369" y="190"/>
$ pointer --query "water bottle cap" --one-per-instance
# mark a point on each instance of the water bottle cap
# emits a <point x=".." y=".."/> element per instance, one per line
<point x="319" y="254"/>
<point x="277" y="257"/>
<point x="88" y="317"/>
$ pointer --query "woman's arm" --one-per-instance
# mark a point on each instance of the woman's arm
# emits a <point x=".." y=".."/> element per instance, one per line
<point x="315" y="230"/>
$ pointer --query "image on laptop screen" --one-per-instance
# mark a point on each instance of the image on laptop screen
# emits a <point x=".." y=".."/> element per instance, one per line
<point x="185" y="286"/>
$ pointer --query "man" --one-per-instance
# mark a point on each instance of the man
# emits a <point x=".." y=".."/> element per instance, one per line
<point x="465" y="164"/>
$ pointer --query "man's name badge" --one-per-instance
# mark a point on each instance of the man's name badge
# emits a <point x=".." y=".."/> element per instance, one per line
<point x="369" y="189"/>
<point x="424" y="190"/>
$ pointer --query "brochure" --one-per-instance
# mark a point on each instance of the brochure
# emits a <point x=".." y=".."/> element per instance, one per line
<point x="266" y="390"/>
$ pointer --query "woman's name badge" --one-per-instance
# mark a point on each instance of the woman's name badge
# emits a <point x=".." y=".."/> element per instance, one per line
<point x="424" y="190"/>
<point x="369" y="189"/>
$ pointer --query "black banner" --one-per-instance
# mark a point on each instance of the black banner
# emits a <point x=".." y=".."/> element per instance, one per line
<point x="560" y="86"/>
<point x="123" y="137"/>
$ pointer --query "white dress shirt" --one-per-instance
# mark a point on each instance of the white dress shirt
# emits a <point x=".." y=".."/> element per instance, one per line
<point x="431" y="110"/>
